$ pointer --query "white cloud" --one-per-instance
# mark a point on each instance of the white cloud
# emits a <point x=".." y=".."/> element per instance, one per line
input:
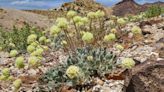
<point x="20" y="2"/>
<point x="28" y="3"/>
<point x="36" y="4"/>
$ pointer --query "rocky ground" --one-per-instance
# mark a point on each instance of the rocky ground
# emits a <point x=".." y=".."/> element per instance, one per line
<point x="146" y="76"/>
<point x="149" y="71"/>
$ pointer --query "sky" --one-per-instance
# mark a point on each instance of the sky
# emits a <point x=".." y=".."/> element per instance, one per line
<point x="48" y="4"/>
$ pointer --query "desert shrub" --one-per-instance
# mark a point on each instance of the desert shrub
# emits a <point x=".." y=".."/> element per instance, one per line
<point x="162" y="10"/>
<point x="87" y="62"/>
<point x="153" y="11"/>
<point x="17" y="38"/>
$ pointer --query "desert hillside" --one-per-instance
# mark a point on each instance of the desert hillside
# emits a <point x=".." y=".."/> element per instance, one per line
<point x="12" y="17"/>
<point x="126" y="7"/>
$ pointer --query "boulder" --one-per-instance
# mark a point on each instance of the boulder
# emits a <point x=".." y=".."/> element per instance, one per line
<point x="146" y="77"/>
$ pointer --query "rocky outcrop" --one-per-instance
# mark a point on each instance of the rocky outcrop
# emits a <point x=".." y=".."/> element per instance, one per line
<point x="147" y="77"/>
<point x="81" y="6"/>
<point x="126" y="7"/>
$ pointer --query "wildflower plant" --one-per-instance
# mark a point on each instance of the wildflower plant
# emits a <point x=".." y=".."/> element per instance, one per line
<point x="73" y="72"/>
<point x="5" y="74"/>
<point x="31" y="48"/>
<point x="91" y="15"/>
<point x="71" y="14"/>
<point x="31" y="38"/>
<point x="119" y="47"/>
<point x="19" y="62"/>
<point x="55" y="30"/>
<point x="87" y="37"/>
<point x="110" y="37"/>
<point x="87" y="55"/>
<point x="33" y="61"/>
<point x="121" y="22"/>
<point x="37" y="45"/>
<point x="62" y="23"/>
<point x="42" y="39"/>
<point x="80" y="68"/>
<point x="83" y="30"/>
<point x="13" y="53"/>
<point x="17" y="84"/>
<point x="128" y="63"/>
<point x="136" y="30"/>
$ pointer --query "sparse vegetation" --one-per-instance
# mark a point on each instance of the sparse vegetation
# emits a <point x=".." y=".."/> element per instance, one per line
<point x="17" y="39"/>
<point x="153" y="11"/>
<point x="89" y="52"/>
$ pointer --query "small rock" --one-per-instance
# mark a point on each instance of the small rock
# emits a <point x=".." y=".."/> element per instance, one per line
<point x="130" y="35"/>
<point x="32" y="72"/>
<point x="141" y="53"/>
<point x="99" y="81"/>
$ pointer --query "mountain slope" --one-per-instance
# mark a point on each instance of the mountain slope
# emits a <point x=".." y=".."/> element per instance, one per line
<point x="12" y="17"/>
<point x="126" y="7"/>
<point x="156" y="3"/>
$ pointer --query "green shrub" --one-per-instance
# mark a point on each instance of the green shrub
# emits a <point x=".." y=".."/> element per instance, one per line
<point x="162" y="10"/>
<point x="17" y="38"/>
<point x="153" y="11"/>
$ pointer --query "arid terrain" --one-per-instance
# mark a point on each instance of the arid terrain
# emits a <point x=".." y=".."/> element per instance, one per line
<point x="83" y="46"/>
<point x="123" y="8"/>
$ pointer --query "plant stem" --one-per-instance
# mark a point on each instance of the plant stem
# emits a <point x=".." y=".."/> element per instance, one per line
<point x="90" y="26"/>
<point x="77" y="33"/>
<point x="69" y="40"/>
